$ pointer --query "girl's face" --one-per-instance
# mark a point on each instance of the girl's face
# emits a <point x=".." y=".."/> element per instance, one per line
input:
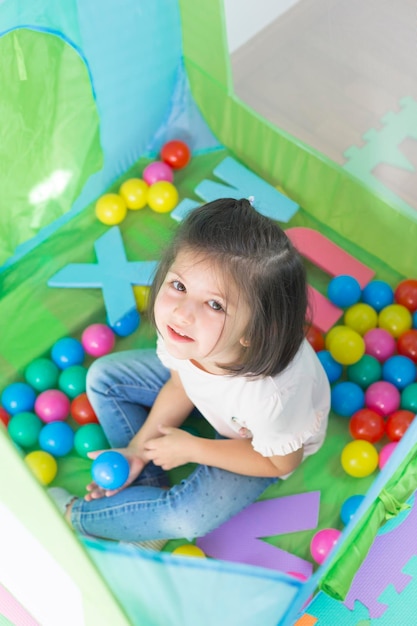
<point x="196" y="318"/>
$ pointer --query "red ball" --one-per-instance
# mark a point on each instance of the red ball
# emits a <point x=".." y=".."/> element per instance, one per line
<point x="176" y="154"/>
<point x="406" y="294"/>
<point x="82" y="411"/>
<point x="367" y="425"/>
<point x="397" y="423"/>
<point x="315" y="338"/>
<point x="4" y="416"/>
<point x="407" y="344"/>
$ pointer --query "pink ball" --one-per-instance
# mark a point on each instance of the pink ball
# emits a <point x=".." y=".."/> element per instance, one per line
<point x="158" y="170"/>
<point x="382" y="397"/>
<point x="379" y="343"/>
<point x="98" y="339"/>
<point x="52" y="405"/>
<point x="322" y="543"/>
<point x="386" y="452"/>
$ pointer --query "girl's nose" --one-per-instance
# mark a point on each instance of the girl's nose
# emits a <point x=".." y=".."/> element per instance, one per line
<point x="184" y="312"/>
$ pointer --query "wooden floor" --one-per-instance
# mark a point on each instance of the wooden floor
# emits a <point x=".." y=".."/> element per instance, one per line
<point x="328" y="71"/>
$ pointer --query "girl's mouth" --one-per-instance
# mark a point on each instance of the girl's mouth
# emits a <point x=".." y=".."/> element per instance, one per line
<point x="177" y="336"/>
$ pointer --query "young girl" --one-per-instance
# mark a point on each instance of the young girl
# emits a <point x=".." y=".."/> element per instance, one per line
<point x="229" y="304"/>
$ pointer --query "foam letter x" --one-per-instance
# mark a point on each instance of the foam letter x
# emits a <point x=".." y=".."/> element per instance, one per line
<point x="113" y="273"/>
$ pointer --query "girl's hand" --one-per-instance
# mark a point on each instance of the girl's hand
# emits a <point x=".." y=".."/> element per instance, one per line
<point x="170" y="450"/>
<point x="136" y="465"/>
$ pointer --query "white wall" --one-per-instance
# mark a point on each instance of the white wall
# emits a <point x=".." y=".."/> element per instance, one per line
<point x="245" y="18"/>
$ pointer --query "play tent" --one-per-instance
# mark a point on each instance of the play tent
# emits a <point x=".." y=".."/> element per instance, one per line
<point x="90" y="94"/>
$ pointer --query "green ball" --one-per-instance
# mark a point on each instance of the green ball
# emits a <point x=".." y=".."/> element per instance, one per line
<point x="409" y="398"/>
<point x="42" y="374"/>
<point x="89" y="438"/>
<point x="72" y="380"/>
<point x="24" y="429"/>
<point x="364" y="372"/>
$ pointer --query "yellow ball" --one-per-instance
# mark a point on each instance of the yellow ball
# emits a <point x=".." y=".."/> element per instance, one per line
<point x="189" y="549"/>
<point x="361" y="317"/>
<point x="43" y="465"/>
<point x="135" y="193"/>
<point x="141" y="294"/>
<point x="111" y="209"/>
<point x="162" y="196"/>
<point x="359" y="458"/>
<point x="347" y="346"/>
<point x="396" y="319"/>
<point x="333" y="332"/>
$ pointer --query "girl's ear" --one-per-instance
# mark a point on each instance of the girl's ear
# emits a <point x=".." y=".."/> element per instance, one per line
<point x="244" y="342"/>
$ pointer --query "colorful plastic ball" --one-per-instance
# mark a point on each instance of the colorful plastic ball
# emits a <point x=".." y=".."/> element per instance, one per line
<point x="367" y="425"/>
<point x="414" y="317"/>
<point x="57" y="438"/>
<point x="43" y="465"/>
<point x="189" y="549"/>
<point x="399" y="370"/>
<point x="332" y="368"/>
<point x="110" y="470"/>
<point x="176" y="154"/>
<point x="347" y="398"/>
<point x="24" y="429"/>
<point x="344" y="291"/>
<point x="386" y="452"/>
<point x="134" y="192"/>
<point x="406" y="294"/>
<point x="347" y="346"/>
<point x="349" y="508"/>
<point x="127" y="325"/>
<point x="111" y="209"/>
<point x="52" y="405"/>
<point x="323" y="542"/>
<point x="397" y="424"/>
<point x="407" y="344"/>
<point x="378" y="294"/>
<point x="359" y="458"/>
<point x="315" y="338"/>
<point x="364" y="372"/>
<point x="42" y="374"/>
<point x="4" y="416"/>
<point x="409" y="398"/>
<point x="72" y="380"/>
<point x="162" y="197"/>
<point x="89" y="438"/>
<point x="396" y="319"/>
<point x="158" y="170"/>
<point x="382" y="397"/>
<point x="141" y="294"/>
<point x="379" y="343"/>
<point x="332" y="334"/>
<point x="98" y="339"/>
<point x="361" y="317"/>
<point x="66" y="352"/>
<point x="18" y="397"/>
<point x="82" y="411"/>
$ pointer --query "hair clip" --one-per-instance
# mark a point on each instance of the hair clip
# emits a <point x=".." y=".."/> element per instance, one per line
<point x="251" y="200"/>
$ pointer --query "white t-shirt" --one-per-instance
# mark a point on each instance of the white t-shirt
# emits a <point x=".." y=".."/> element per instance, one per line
<point x="279" y="413"/>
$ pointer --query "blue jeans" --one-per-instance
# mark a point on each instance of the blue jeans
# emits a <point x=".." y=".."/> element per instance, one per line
<point x="121" y="388"/>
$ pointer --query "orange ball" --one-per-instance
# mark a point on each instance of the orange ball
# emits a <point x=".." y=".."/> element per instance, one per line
<point x="176" y="154"/>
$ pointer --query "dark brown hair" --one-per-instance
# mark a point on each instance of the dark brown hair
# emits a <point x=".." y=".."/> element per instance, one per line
<point x="267" y="270"/>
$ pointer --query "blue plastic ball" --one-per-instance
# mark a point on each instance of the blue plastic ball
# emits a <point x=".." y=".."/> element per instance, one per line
<point x="67" y="351"/>
<point x="378" y="294"/>
<point x="344" y="291"/>
<point x="110" y="470"/>
<point x="127" y="324"/>
<point x="399" y="370"/>
<point x="347" y="398"/>
<point x="415" y="319"/>
<point x="18" y="398"/>
<point x="332" y="368"/>
<point x="349" y="508"/>
<point x="57" y="438"/>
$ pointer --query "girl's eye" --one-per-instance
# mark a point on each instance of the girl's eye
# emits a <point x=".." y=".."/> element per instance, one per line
<point x="179" y="286"/>
<point x="216" y="306"/>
